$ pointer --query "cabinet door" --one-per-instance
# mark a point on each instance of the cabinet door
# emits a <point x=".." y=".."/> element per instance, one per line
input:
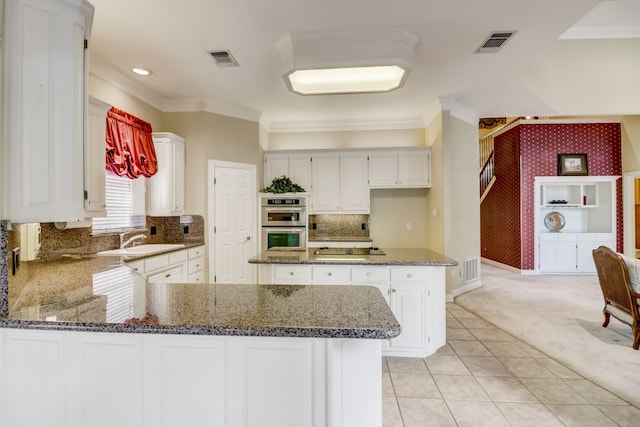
<point x="354" y="187"/>
<point x="45" y="105"/>
<point x="275" y="166"/>
<point x="414" y="168"/>
<point x="300" y="169"/>
<point x="407" y="303"/>
<point x="326" y="180"/>
<point x="94" y="161"/>
<point x="166" y="187"/>
<point x="558" y="257"/>
<point x="171" y="275"/>
<point x="383" y="169"/>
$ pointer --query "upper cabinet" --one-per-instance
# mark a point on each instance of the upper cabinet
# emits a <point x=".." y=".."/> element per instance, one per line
<point x="44" y="109"/>
<point x="339" y="182"/>
<point x="400" y="168"/>
<point x="295" y="165"/>
<point x="94" y="159"/>
<point x="167" y="186"/>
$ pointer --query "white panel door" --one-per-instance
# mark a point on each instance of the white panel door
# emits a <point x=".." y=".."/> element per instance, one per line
<point x="234" y="223"/>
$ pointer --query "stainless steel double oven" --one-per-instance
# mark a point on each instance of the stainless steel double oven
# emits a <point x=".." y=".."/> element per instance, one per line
<point x="284" y="223"/>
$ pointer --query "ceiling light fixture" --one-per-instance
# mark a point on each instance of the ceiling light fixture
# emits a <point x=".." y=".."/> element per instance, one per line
<point x="333" y="62"/>
<point x="141" y="71"/>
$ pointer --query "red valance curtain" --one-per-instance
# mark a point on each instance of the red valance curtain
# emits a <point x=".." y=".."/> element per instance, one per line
<point x="130" y="150"/>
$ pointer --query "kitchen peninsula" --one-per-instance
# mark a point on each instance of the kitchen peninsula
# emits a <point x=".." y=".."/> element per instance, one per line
<point x="186" y="354"/>
<point x="412" y="282"/>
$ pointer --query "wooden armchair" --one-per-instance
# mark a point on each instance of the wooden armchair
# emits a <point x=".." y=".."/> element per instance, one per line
<point x="616" y="274"/>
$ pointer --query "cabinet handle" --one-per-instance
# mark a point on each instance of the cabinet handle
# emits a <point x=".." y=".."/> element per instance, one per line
<point x="409" y="276"/>
<point x="393" y="290"/>
<point x="329" y="274"/>
<point x="291" y="273"/>
<point x="167" y="276"/>
<point x="368" y="274"/>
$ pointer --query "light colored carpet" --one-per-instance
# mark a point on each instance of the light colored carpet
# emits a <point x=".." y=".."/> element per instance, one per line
<point x="561" y="316"/>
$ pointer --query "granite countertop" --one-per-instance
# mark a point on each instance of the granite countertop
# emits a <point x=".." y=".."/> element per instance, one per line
<point x="101" y="294"/>
<point x="394" y="256"/>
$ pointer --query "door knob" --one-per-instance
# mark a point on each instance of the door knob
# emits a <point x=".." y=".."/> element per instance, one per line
<point x="248" y="238"/>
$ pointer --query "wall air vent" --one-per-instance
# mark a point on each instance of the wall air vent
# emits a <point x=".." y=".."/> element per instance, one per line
<point x="495" y="41"/>
<point x="223" y="58"/>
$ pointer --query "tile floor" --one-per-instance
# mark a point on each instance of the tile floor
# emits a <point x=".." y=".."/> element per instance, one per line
<point x="485" y="377"/>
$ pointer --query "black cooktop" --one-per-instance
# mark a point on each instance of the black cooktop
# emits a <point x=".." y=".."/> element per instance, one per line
<point x="349" y="251"/>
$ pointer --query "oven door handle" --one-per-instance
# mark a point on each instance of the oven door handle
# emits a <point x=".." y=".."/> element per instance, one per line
<point x="283" y="230"/>
<point x="283" y="209"/>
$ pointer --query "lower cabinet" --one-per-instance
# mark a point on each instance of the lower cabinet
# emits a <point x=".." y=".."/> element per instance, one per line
<point x="416" y="296"/>
<point x="92" y="379"/>
<point x="183" y="266"/>
<point x="570" y="252"/>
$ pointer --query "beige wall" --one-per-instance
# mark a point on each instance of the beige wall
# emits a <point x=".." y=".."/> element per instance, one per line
<point x="345" y="139"/>
<point x="213" y="137"/>
<point x="120" y="99"/>
<point x="630" y="127"/>
<point x="461" y="199"/>
<point x="435" y="223"/>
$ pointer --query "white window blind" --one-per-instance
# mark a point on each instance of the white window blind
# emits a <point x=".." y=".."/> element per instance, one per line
<point x="117" y="285"/>
<point x="120" y="197"/>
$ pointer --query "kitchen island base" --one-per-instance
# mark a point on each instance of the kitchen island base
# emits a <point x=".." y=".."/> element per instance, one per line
<point x="85" y="379"/>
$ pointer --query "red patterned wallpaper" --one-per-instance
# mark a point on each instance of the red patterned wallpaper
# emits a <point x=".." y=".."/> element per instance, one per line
<point x="509" y="241"/>
<point x="500" y="238"/>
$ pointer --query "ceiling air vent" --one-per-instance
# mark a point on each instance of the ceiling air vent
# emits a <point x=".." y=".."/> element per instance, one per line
<point x="223" y="58"/>
<point x="495" y="41"/>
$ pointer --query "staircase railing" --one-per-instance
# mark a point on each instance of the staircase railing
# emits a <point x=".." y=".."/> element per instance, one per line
<point x="487" y="161"/>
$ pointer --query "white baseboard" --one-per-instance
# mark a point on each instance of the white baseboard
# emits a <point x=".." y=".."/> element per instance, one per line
<point x="466" y="288"/>
<point x="507" y="267"/>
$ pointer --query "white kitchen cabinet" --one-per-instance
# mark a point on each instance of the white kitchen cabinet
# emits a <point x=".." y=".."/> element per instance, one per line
<point x="416" y="295"/>
<point x="400" y="168"/>
<point x="330" y="275"/>
<point x="44" y="108"/>
<point x="295" y="165"/>
<point x="181" y="266"/>
<point x="291" y="274"/>
<point x="373" y="276"/>
<point x="339" y="182"/>
<point x="94" y="159"/>
<point x="167" y="186"/>
<point x="170" y="275"/>
<point x="195" y="265"/>
<point x="587" y="206"/>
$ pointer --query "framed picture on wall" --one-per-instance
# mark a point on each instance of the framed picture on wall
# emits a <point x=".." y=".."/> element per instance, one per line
<point x="572" y="164"/>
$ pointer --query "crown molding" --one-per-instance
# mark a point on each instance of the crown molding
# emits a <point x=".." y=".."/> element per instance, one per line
<point x="631" y="32"/>
<point x="346" y="124"/>
<point x="215" y="107"/>
<point x="118" y="79"/>
<point x="99" y="68"/>
<point x="459" y="111"/>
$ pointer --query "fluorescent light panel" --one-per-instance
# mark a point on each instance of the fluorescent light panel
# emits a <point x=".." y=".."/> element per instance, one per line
<point x="346" y="80"/>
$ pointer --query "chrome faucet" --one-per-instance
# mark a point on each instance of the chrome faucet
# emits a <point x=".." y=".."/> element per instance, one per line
<point x="124" y="243"/>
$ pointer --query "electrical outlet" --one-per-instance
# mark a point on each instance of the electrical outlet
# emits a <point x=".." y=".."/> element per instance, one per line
<point x="409" y="225"/>
<point x="153" y="230"/>
<point x="185" y="229"/>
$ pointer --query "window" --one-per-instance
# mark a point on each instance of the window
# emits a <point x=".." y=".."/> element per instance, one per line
<point x="123" y="196"/>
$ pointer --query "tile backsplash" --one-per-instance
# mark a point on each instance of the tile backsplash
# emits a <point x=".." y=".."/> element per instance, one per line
<point x="80" y="241"/>
<point x="338" y="225"/>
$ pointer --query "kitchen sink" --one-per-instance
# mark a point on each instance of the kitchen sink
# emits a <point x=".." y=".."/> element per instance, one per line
<point x="348" y="252"/>
<point x="141" y="250"/>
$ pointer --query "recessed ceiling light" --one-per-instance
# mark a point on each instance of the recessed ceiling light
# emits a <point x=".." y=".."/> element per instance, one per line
<point x="141" y="71"/>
